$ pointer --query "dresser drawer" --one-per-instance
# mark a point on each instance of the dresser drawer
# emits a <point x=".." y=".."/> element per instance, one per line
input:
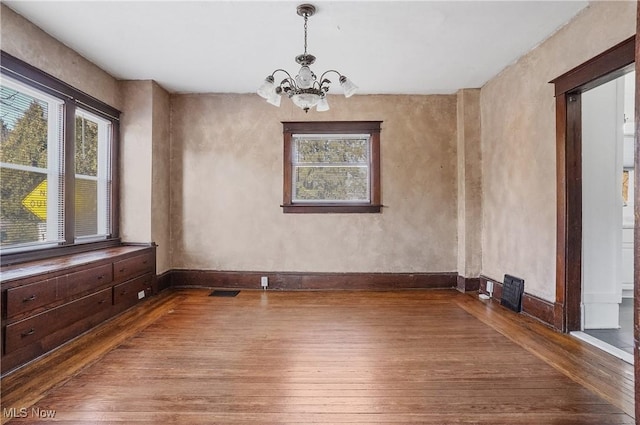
<point x="132" y="267"/>
<point x="30" y="330"/>
<point x="85" y="280"/>
<point x="132" y="291"/>
<point x="45" y="303"/>
<point x="28" y="297"/>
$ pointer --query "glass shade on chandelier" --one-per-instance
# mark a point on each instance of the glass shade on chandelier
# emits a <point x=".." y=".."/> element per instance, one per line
<point x="305" y="90"/>
<point x="268" y="90"/>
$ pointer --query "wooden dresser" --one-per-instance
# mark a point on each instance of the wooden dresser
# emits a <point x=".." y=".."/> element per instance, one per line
<point x="46" y="303"/>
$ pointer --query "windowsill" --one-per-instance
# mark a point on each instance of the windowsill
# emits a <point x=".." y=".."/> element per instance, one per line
<point x="57" y="251"/>
<point x="331" y="209"/>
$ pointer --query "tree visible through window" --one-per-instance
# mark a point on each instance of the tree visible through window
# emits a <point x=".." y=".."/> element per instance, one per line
<point x="332" y="167"/>
<point x="92" y="186"/>
<point x="30" y="166"/>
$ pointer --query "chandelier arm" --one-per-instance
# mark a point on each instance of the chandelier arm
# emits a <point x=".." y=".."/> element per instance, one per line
<point x="289" y="80"/>
<point x="280" y="69"/>
<point x="326" y="72"/>
<point x="324" y="83"/>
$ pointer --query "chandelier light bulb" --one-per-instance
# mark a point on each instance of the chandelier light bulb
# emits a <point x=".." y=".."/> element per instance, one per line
<point x="274" y="97"/>
<point x="323" y="105"/>
<point x="274" y="100"/>
<point x="348" y="86"/>
<point x="267" y="88"/>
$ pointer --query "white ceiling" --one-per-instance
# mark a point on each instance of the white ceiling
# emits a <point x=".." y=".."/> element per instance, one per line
<point x="415" y="47"/>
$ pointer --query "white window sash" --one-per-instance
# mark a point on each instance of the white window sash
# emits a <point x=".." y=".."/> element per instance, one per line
<point x="103" y="177"/>
<point x="295" y="165"/>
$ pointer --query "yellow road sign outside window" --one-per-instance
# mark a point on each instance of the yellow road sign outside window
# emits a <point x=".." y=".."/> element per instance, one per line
<point x="36" y="201"/>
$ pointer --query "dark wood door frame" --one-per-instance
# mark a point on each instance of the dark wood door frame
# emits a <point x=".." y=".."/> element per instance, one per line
<point x="636" y="235"/>
<point x="605" y="67"/>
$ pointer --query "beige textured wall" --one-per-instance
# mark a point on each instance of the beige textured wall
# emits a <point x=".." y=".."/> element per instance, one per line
<point x="145" y="167"/>
<point x="136" y="150"/>
<point x="518" y="147"/>
<point x="161" y="177"/>
<point x="469" y="183"/>
<point x="226" y="188"/>
<point x="25" y="41"/>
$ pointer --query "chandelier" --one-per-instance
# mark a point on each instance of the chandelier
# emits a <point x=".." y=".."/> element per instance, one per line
<point x="305" y="90"/>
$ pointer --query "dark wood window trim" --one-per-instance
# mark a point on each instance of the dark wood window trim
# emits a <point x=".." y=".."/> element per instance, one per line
<point x="36" y="78"/>
<point x="605" y="67"/>
<point x="333" y="127"/>
<point x="73" y="98"/>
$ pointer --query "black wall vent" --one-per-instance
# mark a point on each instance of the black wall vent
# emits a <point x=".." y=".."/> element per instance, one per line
<point x="512" y="291"/>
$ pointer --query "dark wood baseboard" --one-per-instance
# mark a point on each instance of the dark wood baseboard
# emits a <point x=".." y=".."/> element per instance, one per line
<point x="290" y="281"/>
<point x="468" y="284"/>
<point x="558" y="317"/>
<point x="311" y="281"/>
<point x="533" y="306"/>
<point x="164" y="280"/>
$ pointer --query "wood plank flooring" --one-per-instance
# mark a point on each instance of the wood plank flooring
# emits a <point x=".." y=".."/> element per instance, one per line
<point x="410" y="357"/>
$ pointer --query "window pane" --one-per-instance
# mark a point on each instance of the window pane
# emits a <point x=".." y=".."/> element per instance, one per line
<point x="333" y="184"/>
<point x="86" y="147"/>
<point x="86" y="207"/>
<point x="24" y="217"/>
<point x="332" y="150"/>
<point x="24" y="129"/>
<point x="31" y="151"/>
<point x="93" y="181"/>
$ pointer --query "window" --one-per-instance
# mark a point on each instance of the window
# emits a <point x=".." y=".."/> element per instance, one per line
<point x="93" y="176"/>
<point x="332" y="167"/>
<point x="31" y="150"/>
<point x="56" y="164"/>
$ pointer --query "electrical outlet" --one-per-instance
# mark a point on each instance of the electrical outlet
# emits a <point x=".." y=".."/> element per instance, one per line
<point x="264" y="282"/>
<point x="489" y="286"/>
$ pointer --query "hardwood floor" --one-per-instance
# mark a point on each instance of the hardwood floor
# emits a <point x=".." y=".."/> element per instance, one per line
<point x="410" y="357"/>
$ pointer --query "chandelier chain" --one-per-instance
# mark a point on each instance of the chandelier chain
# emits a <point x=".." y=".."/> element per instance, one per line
<point x="306" y="17"/>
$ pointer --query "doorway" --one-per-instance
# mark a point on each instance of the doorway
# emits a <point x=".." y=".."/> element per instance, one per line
<point x="569" y="88"/>
<point x="608" y="215"/>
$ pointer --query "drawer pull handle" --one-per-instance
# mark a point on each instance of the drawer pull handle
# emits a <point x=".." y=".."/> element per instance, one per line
<point x="122" y="270"/>
<point x="102" y="301"/>
<point x="31" y="298"/>
<point x="101" y="277"/>
<point x="27" y="333"/>
<point x="144" y="262"/>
